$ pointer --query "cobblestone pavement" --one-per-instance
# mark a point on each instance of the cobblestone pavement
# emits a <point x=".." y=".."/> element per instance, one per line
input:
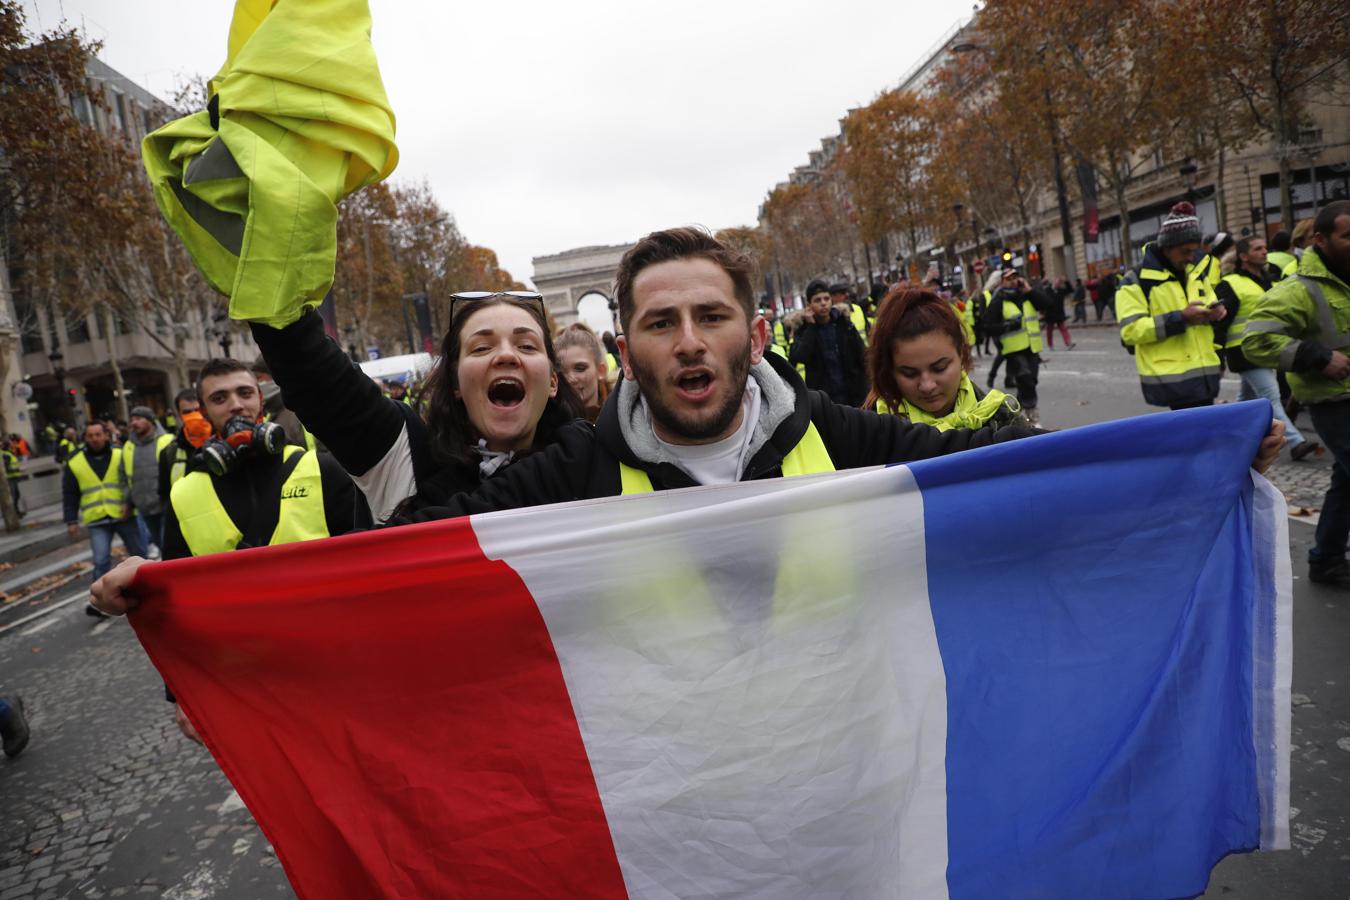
<point x="110" y="800"/>
<point x="1303" y="483"/>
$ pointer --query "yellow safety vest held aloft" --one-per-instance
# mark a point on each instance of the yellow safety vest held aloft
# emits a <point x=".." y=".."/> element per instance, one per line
<point x="809" y="457"/>
<point x="100" y="498"/>
<point x="207" y="528"/>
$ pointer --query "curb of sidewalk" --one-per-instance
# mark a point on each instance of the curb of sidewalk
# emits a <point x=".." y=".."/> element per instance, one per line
<point x="36" y="547"/>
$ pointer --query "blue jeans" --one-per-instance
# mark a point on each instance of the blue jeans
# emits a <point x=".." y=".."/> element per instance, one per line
<point x="152" y="528"/>
<point x="1262" y="383"/>
<point x="1332" y="421"/>
<point x="101" y="537"/>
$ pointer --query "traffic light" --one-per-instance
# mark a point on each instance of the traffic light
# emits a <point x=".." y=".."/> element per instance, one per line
<point x="1007" y="257"/>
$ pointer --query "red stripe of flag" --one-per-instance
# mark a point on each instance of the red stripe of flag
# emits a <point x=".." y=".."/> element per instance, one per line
<point x="391" y="709"/>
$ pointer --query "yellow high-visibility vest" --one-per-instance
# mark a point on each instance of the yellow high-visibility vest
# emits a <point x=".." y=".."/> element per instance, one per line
<point x="129" y="452"/>
<point x="1248" y="290"/>
<point x="1028" y="337"/>
<point x="809" y="457"/>
<point x="100" y="498"/>
<point x="207" y="528"/>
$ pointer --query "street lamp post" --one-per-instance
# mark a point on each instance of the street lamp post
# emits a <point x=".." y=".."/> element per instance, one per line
<point x="221" y="330"/>
<point x="59" y="373"/>
<point x="1187" y="173"/>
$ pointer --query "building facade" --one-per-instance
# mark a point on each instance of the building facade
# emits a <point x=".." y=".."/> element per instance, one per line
<point x="59" y="366"/>
<point x="1244" y="196"/>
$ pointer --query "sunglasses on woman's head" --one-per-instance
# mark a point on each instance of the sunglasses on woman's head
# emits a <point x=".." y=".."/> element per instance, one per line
<point x="531" y="297"/>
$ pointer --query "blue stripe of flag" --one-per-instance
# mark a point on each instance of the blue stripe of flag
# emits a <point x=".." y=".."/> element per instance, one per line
<point x="1092" y="596"/>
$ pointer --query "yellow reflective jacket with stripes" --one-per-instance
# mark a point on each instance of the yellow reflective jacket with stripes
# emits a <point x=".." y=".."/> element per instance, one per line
<point x="1296" y="326"/>
<point x="1177" y="362"/>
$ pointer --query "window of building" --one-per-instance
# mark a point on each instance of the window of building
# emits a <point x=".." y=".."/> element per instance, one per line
<point x="1331" y="183"/>
<point x="83" y="110"/>
<point x="26" y="320"/>
<point x="119" y="108"/>
<point x="77" y="329"/>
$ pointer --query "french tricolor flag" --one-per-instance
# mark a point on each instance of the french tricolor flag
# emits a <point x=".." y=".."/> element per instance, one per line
<point x="1053" y="668"/>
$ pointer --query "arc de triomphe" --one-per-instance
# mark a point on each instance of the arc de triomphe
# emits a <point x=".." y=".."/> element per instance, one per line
<point x="578" y="284"/>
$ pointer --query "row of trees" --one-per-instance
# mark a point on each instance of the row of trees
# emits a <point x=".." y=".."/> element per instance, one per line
<point x="1037" y="88"/>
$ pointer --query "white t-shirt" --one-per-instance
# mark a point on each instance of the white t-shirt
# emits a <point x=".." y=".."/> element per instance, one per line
<point x="721" y="462"/>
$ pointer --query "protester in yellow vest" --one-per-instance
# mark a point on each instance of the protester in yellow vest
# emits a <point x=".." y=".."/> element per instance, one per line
<point x="841" y="297"/>
<point x="253" y="489"/>
<point x="1281" y="256"/>
<point x="140" y="461"/>
<point x="177" y="459"/>
<point x="919" y="363"/>
<point x="1239" y="291"/>
<point x="1013" y="314"/>
<point x="1167" y="312"/>
<point x="12" y="473"/>
<point x="94" y="494"/>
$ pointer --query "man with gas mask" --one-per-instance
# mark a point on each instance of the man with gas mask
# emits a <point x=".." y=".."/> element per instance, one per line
<point x="246" y="486"/>
<point x="249" y="487"/>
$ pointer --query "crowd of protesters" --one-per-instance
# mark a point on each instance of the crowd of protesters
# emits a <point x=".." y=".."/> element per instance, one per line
<point x="698" y="388"/>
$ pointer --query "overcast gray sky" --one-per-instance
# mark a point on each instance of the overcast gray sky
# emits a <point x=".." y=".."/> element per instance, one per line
<point x="544" y="126"/>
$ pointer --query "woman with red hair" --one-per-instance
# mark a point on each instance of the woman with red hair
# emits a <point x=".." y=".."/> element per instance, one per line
<point x="919" y="361"/>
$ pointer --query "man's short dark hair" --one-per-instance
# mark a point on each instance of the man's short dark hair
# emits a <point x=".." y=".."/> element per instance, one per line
<point x="221" y="365"/>
<point x="1280" y="241"/>
<point x="682" y="243"/>
<point x="815" y="287"/>
<point x="1325" y="223"/>
<point x="186" y="394"/>
<point x="1244" y="246"/>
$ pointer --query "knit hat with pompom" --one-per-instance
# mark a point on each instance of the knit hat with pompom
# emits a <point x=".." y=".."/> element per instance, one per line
<point x="1180" y="227"/>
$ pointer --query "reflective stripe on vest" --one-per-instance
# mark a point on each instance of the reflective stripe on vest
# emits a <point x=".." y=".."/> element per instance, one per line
<point x="99" y="498"/>
<point x="178" y="468"/>
<point x="809" y="457"/>
<point x="1330" y="337"/>
<point x="129" y="452"/>
<point x="207" y="528"/>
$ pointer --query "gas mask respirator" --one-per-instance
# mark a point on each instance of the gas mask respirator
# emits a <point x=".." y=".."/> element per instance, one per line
<point x="240" y="440"/>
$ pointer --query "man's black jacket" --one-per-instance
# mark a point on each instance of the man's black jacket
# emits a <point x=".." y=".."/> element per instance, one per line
<point x="584" y="463"/>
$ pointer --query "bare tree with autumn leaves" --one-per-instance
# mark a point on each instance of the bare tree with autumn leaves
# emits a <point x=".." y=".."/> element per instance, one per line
<point x="1265" y="60"/>
<point x="890" y="146"/>
<point x="51" y="176"/>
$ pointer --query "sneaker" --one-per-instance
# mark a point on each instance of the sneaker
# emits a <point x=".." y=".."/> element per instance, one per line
<point x="153" y="552"/>
<point x="1071" y="345"/>
<point x="1335" y="572"/>
<point x="15" y="729"/>
<point x="1303" y="450"/>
